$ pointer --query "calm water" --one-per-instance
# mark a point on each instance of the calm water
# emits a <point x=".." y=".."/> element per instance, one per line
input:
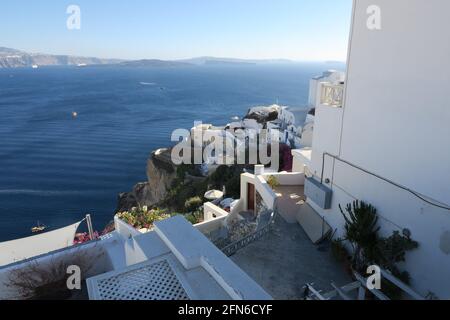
<point x="55" y="169"/>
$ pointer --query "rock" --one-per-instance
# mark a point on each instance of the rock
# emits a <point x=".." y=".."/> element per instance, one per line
<point x="126" y="201"/>
<point x="160" y="174"/>
<point x="263" y="114"/>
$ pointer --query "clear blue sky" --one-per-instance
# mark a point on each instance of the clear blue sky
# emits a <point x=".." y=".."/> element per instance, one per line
<point x="174" y="29"/>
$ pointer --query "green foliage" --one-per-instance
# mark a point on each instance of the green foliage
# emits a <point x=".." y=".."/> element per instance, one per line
<point x="368" y="248"/>
<point x="228" y="177"/>
<point x="233" y="187"/>
<point x="183" y="191"/>
<point x="393" y="250"/>
<point x="193" y="204"/>
<point x="184" y="169"/>
<point x="142" y="217"/>
<point x="222" y="174"/>
<point x="181" y="171"/>
<point x="361" y="231"/>
<point x="339" y="251"/>
<point x="180" y="193"/>
<point x="194" y="217"/>
<point x="272" y="181"/>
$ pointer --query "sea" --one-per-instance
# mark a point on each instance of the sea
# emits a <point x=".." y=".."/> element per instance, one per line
<point x="56" y="167"/>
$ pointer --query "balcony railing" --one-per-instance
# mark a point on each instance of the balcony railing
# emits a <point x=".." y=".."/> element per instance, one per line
<point x="332" y="95"/>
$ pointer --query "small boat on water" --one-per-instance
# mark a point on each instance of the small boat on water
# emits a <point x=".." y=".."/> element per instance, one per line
<point x="34" y="66"/>
<point x="39" y="228"/>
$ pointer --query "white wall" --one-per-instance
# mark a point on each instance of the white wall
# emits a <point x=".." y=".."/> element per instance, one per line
<point x="261" y="186"/>
<point x="124" y="229"/>
<point x="295" y="178"/>
<point x="397" y="112"/>
<point x="395" y="123"/>
<point x="312" y="92"/>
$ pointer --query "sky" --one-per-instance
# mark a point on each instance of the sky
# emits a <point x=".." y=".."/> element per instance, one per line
<point x="302" y="30"/>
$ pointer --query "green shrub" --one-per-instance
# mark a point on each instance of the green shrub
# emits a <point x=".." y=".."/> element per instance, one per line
<point x="361" y="231"/>
<point x="180" y="191"/>
<point x="392" y="250"/>
<point x="368" y="248"/>
<point x="195" y="217"/>
<point x="273" y="182"/>
<point x="339" y="251"/>
<point x="228" y="177"/>
<point x="179" y="194"/>
<point x="142" y="217"/>
<point x="193" y="204"/>
<point x="233" y="187"/>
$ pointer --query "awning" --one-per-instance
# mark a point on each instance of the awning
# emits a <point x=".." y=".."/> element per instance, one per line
<point x="25" y="248"/>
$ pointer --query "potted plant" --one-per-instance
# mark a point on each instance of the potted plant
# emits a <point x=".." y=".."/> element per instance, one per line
<point x="272" y="181"/>
<point x="142" y="218"/>
<point x="361" y="232"/>
<point x="369" y="249"/>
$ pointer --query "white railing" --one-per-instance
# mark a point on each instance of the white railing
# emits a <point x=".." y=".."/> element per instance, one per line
<point x="332" y="95"/>
<point x="360" y="285"/>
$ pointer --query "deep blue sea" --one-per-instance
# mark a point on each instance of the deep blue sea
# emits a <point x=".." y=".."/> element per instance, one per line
<point x="55" y="168"/>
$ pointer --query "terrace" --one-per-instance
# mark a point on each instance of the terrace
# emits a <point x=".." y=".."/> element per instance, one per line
<point x="288" y="250"/>
<point x="285" y="260"/>
<point x="257" y="251"/>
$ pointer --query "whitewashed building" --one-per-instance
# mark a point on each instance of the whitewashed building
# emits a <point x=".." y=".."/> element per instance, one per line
<point x="388" y="142"/>
<point x="382" y="136"/>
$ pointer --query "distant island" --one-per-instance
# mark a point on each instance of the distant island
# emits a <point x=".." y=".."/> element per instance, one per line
<point x="229" y="61"/>
<point x="13" y="58"/>
<point x="153" y="63"/>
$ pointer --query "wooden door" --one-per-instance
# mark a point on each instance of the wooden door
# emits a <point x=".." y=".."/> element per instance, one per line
<point x="251" y="197"/>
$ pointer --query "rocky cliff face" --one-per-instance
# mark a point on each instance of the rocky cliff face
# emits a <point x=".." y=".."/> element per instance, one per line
<point x="160" y="174"/>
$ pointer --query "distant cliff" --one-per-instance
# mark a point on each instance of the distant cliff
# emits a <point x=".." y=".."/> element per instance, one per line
<point x="12" y="58"/>
<point x="153" y="63"/>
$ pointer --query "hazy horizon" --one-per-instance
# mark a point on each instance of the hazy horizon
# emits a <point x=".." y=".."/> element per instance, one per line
<point x="297" y="30"/>
<point x="180" y="59"/>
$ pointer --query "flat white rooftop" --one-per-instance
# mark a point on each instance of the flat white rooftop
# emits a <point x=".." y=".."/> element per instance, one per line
<point x="176" y="262"/>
